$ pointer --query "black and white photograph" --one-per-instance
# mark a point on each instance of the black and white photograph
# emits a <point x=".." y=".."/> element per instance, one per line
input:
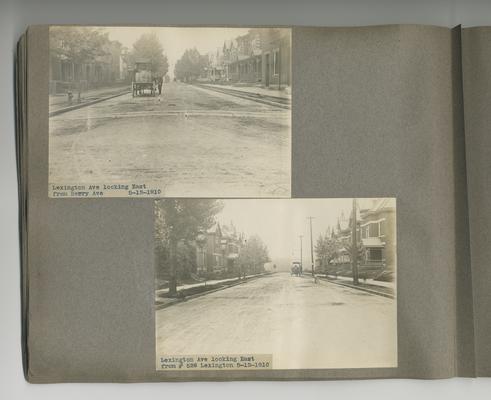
<point x="275" y="283"/>
<point x="169" y="112"/>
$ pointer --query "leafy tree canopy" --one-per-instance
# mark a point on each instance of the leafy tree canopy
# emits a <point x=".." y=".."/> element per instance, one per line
<point x="78" y="44"/>
<point x="182" y="219"/>
<point x="148" y="47"/>
<point x="326" y="248"/>
<point x="191" y="65"/>
<point x="254" y="253"/>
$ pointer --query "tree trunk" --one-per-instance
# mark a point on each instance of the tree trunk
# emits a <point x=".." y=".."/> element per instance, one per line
<point x="173" y="269"/>
<point x="79" y="91"/>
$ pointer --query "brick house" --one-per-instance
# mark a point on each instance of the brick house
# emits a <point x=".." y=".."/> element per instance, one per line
<point x="376" y="232"/>
<point x="276" y="53"/>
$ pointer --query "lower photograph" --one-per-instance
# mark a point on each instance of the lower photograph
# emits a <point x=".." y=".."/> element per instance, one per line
<point x="251" y="284"/>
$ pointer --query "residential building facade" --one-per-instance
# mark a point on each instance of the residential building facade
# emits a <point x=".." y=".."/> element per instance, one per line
<point x="260" y="57"/>
<point x="105" y="70"/>
<point x="378" y="233"/>
<point x="376" y="238"/>
<point x="217" y="250"/>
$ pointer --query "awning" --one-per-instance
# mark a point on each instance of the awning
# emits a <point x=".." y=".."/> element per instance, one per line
<point x="372" y="242"/>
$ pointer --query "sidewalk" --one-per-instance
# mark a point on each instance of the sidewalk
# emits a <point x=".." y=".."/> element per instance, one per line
<point x="386" y="289"/>
<point x="204" y="283"/>
<point x="255" y="90"/>
<point x="60" y="101"/>
<point x="369" y="282"/>
<point x="161" y="301"/>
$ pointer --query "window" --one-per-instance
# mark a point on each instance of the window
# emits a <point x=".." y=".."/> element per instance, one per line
<point x="375" y="254"/>
<point x="373" y="230"/>
<point x="276" y="62"/>
<point x="382" y="227"/>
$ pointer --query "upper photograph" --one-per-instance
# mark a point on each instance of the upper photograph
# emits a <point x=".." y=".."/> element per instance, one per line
<point x="169" y="112"/>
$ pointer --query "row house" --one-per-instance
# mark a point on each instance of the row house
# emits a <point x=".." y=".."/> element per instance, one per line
<point x="276" y="58"/>
<point x="105" y="70"/>
<point x="262" y="57"/>
<point x="243" y="57"/>
<point x="215" y="70"/>
<point x="217" y="249"/>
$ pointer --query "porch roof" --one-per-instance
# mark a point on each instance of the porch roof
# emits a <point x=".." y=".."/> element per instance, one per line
<point x="372" y="242"/>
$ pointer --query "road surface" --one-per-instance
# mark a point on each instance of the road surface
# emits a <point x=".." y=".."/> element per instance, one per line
<point x="194" y="141"/>
<point x="302" y="323"/>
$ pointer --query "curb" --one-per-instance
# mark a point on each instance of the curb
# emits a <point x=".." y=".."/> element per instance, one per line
<point x="88" y="103"/>
<point x="248" y="96"/>
<point x="371" y="291"/>
<point x="193" y="296"/>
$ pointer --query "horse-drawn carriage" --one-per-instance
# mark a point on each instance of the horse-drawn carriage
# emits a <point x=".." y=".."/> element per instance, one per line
<point x="296" y="269"/>
<point x="144" y="82"/>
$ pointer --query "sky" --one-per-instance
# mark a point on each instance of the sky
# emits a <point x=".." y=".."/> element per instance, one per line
<point x="279" y="222"/>
<point x="176" y="40"/>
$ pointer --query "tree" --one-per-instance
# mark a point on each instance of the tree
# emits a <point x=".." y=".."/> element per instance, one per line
<point x="326" y="249"/>
<point x="360" y="251"/>
<point x="178" y="222"/>
<point x="253" y="255"/>
<point x="78" y="45"/>
<point x="148" y="47"/>
<point x="190" y="66"/>
<point x="185" y="259"/>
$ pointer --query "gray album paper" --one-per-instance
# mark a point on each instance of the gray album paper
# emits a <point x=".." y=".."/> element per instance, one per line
<point x="251" y="203"/>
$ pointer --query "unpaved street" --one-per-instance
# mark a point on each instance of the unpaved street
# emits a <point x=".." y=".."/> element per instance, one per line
<point x="194" y="141"/>
<point x="302" y="323"/>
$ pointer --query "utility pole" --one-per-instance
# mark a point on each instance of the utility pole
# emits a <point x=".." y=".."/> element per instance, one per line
<point x="354" y="245"/>
<point x="301" y="255"/>
<point x="311" y="245"/>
